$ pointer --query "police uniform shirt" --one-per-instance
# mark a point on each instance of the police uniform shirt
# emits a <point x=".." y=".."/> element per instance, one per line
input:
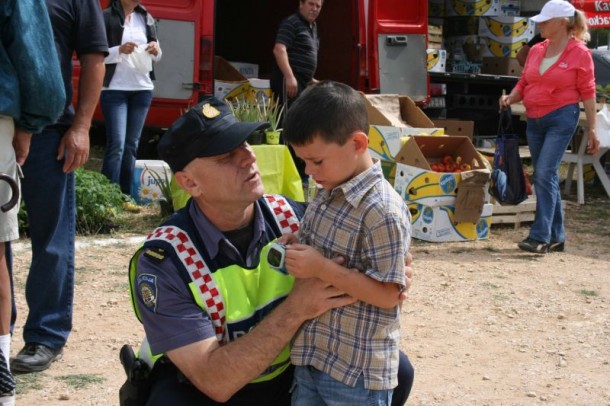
<point x="171" y="317"/>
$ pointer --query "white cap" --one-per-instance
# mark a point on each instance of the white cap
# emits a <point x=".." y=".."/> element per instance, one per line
<point x="554" y="9"/>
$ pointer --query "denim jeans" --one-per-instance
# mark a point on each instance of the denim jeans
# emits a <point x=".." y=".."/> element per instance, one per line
<point x="124" y="116"/>
<point x="314" y="387"/>
<point x="49" y="199"/>
<point x="548" y="137"/>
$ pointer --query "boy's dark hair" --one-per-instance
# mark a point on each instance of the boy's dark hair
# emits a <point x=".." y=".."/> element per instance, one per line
<point x="330" y="110"/>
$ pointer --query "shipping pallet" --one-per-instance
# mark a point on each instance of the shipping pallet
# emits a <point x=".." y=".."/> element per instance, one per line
<point x="517" y="214"/>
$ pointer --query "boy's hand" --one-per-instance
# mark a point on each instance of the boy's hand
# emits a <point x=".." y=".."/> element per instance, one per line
<point x="303" y="261"/>
<point x="404" y="294"/>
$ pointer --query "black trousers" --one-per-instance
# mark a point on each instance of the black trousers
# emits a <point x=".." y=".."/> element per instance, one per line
<point x="169" y="387"/>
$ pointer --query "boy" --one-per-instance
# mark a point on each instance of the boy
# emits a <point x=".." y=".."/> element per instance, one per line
<point x="349" y="355"/>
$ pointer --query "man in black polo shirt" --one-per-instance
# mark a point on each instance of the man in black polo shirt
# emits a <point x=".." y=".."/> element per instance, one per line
<point x="296" y="51"/>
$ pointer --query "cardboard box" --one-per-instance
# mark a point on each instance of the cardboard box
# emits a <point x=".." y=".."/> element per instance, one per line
<point x="409" y="114"/>
<point x="144" y="187"/>
<point x="435" y="36"/>
<point x="505" y="28"/>
<point x="436" y="60"/>
<point x="472" y="8"/>
<point x="501" y="66"/>
<point x="385" y="139"/>
<point x="456" y="127"/>
<point x="474" y="48"/>
<point x="249" y="70"/>
<point x="510" y="8"/>
<point x="257" y="86"/>
<point x="228" y="81"/>
<point x="416" y="182"/>
<point x="436" y="224"/>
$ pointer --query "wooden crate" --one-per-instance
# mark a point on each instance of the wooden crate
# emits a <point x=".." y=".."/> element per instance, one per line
<point x="515" y="214"/>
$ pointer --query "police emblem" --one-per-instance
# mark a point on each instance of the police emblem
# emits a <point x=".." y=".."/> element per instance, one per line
<point x="209" y="111"/>
<point x="147" y="289"/>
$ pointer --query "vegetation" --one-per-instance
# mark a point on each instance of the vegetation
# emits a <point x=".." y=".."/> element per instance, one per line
<point x="78" y="381"/>
<point x="98" y="204"/>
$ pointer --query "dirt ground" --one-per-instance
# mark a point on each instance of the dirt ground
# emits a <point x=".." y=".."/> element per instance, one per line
<point x="485" y="323"/>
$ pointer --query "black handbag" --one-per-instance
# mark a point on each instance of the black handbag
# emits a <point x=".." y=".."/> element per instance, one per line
<point x="507" y="184"/>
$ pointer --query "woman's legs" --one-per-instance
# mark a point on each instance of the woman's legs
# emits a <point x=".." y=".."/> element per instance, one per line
<point x="115" y="108"/>
<point x="548" y="137"/>
<point x="138" y="105"/>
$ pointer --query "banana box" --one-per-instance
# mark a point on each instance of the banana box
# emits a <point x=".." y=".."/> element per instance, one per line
<point x="485" y="46"/>
<point x="249" y="70"/>
<point x="392" y="119"/>
<point x="507" y="29"/>
<point x="436" y="224"/>
<point x="472" y="8"/>
<point x="258" y="89"/>
<point x="145" y="188"/>
<point x="229" y="83"/>
<point x="386" y="141"/>
<point x="503" y="47"/>
<point x="415" y="180"/>
<point x="437" y="60"/>
<point x="495" y="65"/>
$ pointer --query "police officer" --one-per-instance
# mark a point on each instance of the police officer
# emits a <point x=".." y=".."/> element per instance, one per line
<point x="218" y="319"/>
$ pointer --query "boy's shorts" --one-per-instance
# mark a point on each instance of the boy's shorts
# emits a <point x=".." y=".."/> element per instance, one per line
<point x="9" y="228"/>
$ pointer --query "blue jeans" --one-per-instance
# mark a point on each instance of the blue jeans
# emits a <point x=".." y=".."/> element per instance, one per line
<point x="548" y="137"/>
<point x="49" y="199"/>
<point x="314" y="387"/>
<point x="124" y="116"/>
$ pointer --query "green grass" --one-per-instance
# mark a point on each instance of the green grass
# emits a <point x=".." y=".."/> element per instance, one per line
<point x="29" y="382"/>
<point x="79" y="381"/>
<point x="586" y="292"/>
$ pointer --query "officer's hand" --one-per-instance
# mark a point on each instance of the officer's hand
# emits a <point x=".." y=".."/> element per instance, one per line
<point x="311" y="297"/>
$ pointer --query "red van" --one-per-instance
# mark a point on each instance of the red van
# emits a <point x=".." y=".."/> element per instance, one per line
<point x="376" y="46"/>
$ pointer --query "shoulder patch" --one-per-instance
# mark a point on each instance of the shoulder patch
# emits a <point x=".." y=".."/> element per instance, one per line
<point x="147" y="290"/>
<point x="155" y="253"/>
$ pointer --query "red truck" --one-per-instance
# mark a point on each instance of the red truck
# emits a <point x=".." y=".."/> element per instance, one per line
<point x="376" y="46"/>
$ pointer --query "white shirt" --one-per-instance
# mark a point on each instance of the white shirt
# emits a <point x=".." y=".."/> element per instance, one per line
<point x="125" y="76"/>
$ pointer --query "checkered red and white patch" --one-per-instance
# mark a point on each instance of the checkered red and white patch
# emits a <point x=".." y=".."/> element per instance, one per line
<point x="199" y="272"/>
<point x="285" y="217"/>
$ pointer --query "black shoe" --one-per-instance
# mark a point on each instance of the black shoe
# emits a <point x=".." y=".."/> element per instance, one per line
<point x="35" y="358"/>
<point x="534" y="246"/>
<point x="557" y="246"/>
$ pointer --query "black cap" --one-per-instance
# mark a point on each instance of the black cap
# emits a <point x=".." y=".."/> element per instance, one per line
<point x="208" y="129"/>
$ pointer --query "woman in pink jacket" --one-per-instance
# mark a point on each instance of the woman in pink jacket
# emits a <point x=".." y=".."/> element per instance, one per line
<point x="558" y="74"/>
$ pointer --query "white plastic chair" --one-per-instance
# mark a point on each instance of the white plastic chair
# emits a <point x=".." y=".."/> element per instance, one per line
<point x="578" y="160"/>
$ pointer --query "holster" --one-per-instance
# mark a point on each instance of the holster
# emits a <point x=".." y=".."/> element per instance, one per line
<point x="136" y="389"/>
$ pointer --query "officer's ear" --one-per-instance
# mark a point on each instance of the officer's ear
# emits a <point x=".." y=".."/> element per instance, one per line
<point x="187" y="182"/>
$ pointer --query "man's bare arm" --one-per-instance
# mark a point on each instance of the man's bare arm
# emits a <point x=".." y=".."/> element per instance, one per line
<point x="220" y="371"/>
<point x="74" y="145"/>
<point x="281" y="58"/>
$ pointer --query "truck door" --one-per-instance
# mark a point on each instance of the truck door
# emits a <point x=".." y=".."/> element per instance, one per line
<point x="396" y="47"/>
<point x="341" y="40"/>
<point x="177" y="81"/>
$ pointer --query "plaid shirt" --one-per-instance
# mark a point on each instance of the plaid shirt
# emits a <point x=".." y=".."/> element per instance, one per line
<point x="368" y="223"/>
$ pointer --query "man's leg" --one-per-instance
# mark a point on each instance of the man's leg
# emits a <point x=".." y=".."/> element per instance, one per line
<point x="49" y="199"/>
